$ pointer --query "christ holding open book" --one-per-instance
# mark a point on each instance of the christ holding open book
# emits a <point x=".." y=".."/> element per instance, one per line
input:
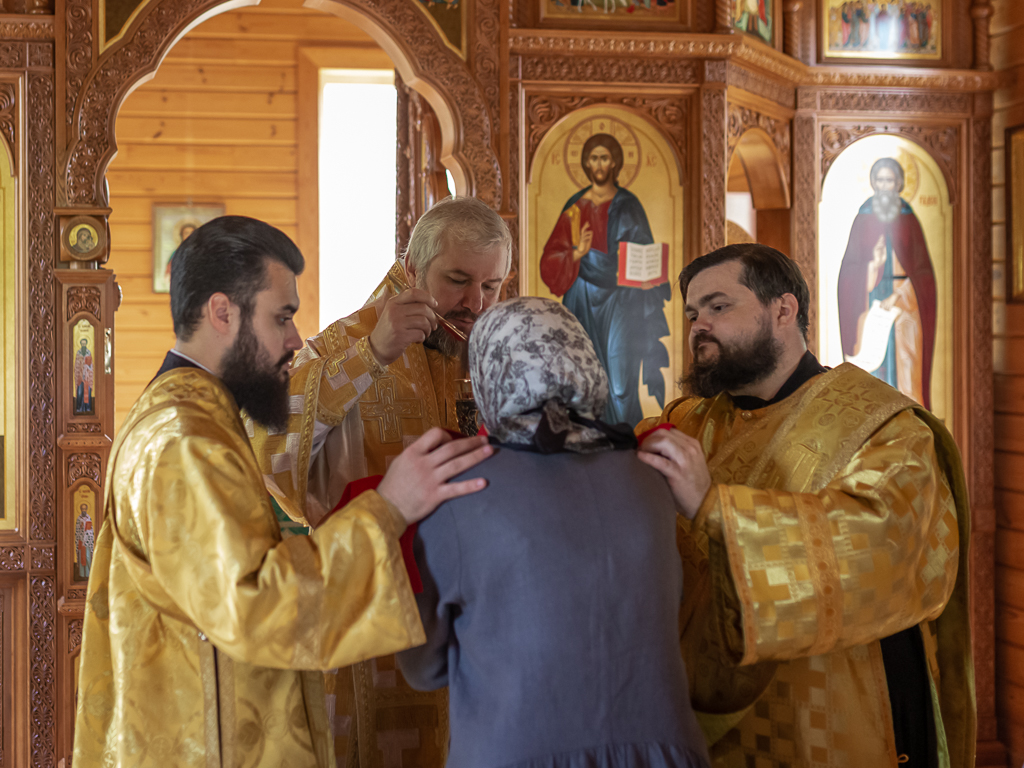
<point x="580" y="264"/>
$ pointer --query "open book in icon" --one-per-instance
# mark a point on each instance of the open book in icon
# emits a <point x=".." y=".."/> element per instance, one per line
<point x="643" y="266"/>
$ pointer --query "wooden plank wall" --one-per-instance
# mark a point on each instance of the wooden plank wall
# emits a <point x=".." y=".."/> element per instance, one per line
<point x="217" y="123"/>
<point x="1007" y="32"/>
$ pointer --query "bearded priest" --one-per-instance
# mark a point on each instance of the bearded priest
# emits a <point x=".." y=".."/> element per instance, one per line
<point x="199" y="615"/>
<point x="824" y="534"/>
<point x="361" y="389"/>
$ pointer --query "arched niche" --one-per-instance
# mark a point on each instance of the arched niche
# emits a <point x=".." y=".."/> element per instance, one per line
<point x="421" y="57"/>
<point x="847" y="221"/>
<point x="756" y="174"/>
<point x="652" y="170"/>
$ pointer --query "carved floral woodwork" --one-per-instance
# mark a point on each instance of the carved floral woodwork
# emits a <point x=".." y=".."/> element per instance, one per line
<point x="741" y="50"/>
<point x="83" y="298"/>
<point x="888" y="101"/>
<point x="78" y="46"/>
<point x="941" y="142"/>
<point x="43" y="558"/>
<point x="42" y="610"/>
<point x="92" y="143"/>
<point x="713" y="169"/>
<point x="25" y="28"/>
<point x="42" y="332"/>
<point x="9" y="121"/>
<point x="39" y="121"/>
<point x="12" y="558"/>
<point x="74" y="636"/>
<point x="668" y="112"/>
<point x="484" y="59"/>
<point x="83" y="465"/>
<point x="742" y="119"/>
<point x="805" y="216"/>
<point x="609" y="70"/>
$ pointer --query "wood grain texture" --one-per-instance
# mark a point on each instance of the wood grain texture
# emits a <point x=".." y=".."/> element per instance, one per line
<point x="218" y="122"/>
<point x="1007" y="54"/>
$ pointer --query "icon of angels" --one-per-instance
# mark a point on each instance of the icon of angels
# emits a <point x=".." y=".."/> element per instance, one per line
<point x="172" y="224"/>
<point x="885" y="265"/>
<point x="605" y="238"/>
<point x="83" y="504"/>
<point x="882" y="29"/>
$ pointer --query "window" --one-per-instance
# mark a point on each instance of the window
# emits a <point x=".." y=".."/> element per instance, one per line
<point x="357" y="174"/>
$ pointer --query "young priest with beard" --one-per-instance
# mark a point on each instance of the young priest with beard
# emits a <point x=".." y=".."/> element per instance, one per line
<point x="824" y="533"/>
<point x="199" y="616"/>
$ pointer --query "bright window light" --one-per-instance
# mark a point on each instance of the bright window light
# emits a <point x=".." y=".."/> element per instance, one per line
<point x="358" y="114"/>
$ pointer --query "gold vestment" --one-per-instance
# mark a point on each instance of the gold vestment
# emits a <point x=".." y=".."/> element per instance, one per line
<point x="837" y="517"/>
<point x="373" y="413"/>
<point x="199" y="615"/>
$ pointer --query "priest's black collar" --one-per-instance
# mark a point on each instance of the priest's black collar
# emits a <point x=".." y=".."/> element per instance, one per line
<point x="808" y="368"/>
<point x="175" y="359"/>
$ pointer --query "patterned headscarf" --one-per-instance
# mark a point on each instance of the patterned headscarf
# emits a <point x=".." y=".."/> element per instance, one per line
<point x="537" y="381"/>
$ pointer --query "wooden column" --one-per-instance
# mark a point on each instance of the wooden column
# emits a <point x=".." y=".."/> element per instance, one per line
<point x="792" y="30"/>
<point x="981" y="13"/>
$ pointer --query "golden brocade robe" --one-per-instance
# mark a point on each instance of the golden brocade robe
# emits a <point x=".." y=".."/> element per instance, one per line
<point x="199" y="615"/>
<point x="349" y="418"/>
<point x="837" y="517"/>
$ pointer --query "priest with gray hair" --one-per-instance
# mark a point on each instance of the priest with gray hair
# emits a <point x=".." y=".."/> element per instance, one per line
<point x="550" y="602"/>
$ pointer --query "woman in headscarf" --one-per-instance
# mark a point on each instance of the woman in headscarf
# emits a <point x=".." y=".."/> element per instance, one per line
<point x="550" y="600"/>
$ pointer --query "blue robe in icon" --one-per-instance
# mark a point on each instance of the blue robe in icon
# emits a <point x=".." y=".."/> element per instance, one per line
<point x="626" y="324"/>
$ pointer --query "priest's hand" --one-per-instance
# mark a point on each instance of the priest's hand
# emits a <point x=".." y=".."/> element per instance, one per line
<point x="417" y="480"/>
<point x="407" y="318"/>
<point x="680" y="459"/>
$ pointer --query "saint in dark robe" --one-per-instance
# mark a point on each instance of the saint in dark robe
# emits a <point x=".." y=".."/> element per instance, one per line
<point x="580" y="263"/>
<point x="887" y="261"/>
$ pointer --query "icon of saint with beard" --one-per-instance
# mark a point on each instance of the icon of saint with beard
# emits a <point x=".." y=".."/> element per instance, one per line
<point x="887" y="262"/>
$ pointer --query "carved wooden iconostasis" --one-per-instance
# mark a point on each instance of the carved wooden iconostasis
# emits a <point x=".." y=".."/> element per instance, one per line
<point x="709" y="101"/>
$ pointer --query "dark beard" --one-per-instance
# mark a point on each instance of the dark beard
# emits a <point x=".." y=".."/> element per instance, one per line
<point x="444" y="342"/>
<point x="736" y="366"/>
<point x="440" y="339"/>
<point x="254" y="381"/>
<point x="886" y="206"/>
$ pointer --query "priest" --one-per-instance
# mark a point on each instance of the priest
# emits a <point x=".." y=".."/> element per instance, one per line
<point x="362" y="389"/>
<point x="199" y="615"/>
<point x="824" y="533"/>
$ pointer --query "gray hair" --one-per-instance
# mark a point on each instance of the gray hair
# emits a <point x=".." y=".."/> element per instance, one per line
<point x="457" y="221"/>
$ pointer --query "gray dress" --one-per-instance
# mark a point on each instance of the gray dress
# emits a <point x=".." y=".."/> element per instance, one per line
<point x="551" y="606"/>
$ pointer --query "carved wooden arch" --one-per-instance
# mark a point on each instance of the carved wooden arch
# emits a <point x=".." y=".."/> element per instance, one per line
<point x="763" y="167"/>
<point x="940" y="142"/>
<point x="419" y="54"/>
<point x="428" y="66"/>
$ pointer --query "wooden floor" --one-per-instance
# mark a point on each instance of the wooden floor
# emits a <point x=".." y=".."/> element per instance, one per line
<point x="216" y="124"/>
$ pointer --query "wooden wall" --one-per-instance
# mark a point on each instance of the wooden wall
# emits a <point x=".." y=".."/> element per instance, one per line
<point x="218" y="123"/>
<point x="1008" y="55"/>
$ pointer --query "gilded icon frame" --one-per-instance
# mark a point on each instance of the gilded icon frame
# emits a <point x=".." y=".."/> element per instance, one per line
<point x="1014" y="151"/>
<point x="169" y="218"/>
<point x="938" y="31"/>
